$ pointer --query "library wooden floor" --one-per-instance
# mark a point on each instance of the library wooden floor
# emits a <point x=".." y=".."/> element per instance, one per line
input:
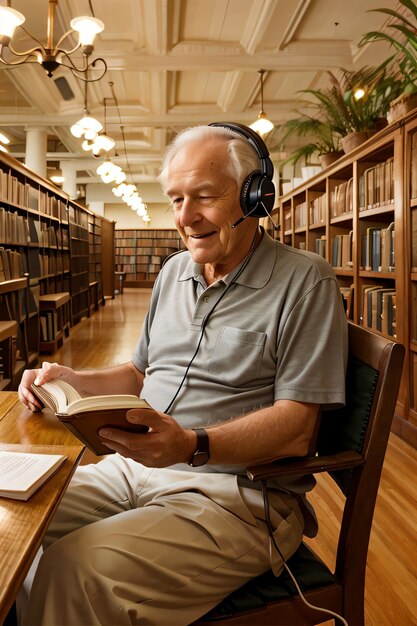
<point x="109" y="337"/>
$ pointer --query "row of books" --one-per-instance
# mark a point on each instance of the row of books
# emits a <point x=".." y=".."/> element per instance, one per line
<point x="379" y="309"/>
<point x="54" y="264"/>
<point x="11" y="264"/>
<point x="166" y="233"/>
<point x="78" y="217"/>
<point x="14" y="191"/>
<point x="347" y="296"/>
<point x="32" y="303"/>
<point x="134" y="251"/>
<point x="129" y="268"/>
<point x="48" y="204"/>
<point x="48" y="325"/>
<point x="79" y="247"/>
<point x="377" y="253"/>
<point x="21" y="230"/>
<point x="152" y="268"/>
<point x="125" y="242"/>
<point x="126" y="258"/>
<point x="13" y="227"/>
<point x="79" y="232"/>
<point x="413" y="166"/>
<point x="341" y="198"/>
<point x="342" y="251"/>
<point x="300" y="215"/>
<point x="376" y="185"/>
<point x="318" y="209"/>
<point x="320" y="246"/>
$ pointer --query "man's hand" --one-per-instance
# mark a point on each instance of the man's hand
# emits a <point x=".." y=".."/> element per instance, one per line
<point x="48" y="371"/>
<point x="165" y="444"/>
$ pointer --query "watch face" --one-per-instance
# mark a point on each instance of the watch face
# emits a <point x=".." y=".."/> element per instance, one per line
<point x="199" y="458"/>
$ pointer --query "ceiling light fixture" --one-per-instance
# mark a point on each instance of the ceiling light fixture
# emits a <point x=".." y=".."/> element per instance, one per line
<point x="56" y="175"/>
<point x="51" y="56"/>
<point x="262" y="125"/>
<point x="111" y="173"/>
<point x="87" y="127"/>
<point x="102" y="142"/>
<point x="128" y="192"/>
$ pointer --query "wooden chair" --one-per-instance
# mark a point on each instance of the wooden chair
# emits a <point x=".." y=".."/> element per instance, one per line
<point x="351" y="448"/>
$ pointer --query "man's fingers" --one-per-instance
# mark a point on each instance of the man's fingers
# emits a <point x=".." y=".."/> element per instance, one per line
<point x="148" y="417"/>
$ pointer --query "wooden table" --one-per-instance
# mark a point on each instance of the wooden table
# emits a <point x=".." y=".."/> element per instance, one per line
<point x="23" y="524"/>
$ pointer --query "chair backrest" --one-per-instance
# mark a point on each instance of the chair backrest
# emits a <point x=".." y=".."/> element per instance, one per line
<point x="372" y="383"/>
<point x="354" y="437"/>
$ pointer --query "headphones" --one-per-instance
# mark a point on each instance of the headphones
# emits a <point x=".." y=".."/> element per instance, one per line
<point x="257" y="195"/>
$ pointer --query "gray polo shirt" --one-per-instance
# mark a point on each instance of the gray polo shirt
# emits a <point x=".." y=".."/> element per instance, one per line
<point x="279" y="332"/>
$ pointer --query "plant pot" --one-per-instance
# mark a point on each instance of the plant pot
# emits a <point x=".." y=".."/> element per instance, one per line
<point x="329" y="158"/>
<point x="401" y="106"/>
<point x="355" y="139"/>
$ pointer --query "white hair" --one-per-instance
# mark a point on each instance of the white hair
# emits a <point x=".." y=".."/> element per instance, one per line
<point x="243" y="157"/>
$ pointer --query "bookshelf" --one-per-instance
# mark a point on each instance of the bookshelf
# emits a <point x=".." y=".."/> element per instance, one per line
<point x="107" y="257"/>
<point x="8" y="330"/>
<point x="50" y="253"/>
<point x="139" y="253"/>
<point x="360" y="213"/>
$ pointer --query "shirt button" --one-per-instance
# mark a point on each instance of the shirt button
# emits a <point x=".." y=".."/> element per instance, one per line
<point x="206" y="299"/>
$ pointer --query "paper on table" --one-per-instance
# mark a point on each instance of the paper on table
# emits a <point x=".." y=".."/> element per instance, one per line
<point x="22" y="473"/>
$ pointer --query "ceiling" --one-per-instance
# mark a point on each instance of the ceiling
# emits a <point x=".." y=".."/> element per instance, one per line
<point x="176" y="63"/>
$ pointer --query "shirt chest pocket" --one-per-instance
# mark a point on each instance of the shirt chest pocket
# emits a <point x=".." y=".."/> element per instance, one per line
<point x="237" y="355"/>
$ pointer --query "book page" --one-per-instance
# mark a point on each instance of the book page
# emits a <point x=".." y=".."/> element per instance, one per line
<point x="21" y="472"/>
<point x="56" y="394"/>
<point x="95" y="403"/>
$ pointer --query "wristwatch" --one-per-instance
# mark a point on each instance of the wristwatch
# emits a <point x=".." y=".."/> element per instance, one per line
<point x="202" y="451"/>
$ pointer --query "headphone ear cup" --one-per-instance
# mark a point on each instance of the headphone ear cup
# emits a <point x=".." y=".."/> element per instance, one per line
<point x="257" y="196"/>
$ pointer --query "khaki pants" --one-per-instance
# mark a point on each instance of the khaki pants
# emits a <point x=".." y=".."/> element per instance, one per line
<point x="133" y="545"/>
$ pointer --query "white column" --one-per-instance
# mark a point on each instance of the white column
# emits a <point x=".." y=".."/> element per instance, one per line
<point x="69" y="171"/>
<point x="36" y="147"/>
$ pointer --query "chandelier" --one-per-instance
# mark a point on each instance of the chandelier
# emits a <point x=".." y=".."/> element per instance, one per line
<point x="51" y="56"/>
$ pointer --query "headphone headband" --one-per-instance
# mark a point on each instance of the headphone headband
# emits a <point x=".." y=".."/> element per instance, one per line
<point x="255" y="141"/>
<point x="257" y="195"/>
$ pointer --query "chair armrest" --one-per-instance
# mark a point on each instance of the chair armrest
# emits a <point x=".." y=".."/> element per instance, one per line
<point x="305" y="465"/>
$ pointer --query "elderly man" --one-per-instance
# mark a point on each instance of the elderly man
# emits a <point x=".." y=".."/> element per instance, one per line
<point x="244" y="343"/>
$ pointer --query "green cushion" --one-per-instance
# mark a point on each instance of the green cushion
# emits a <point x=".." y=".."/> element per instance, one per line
<point x="308" y="570"/>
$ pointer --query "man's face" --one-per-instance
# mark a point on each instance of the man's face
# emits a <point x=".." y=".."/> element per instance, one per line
<point x="206" y="203"/>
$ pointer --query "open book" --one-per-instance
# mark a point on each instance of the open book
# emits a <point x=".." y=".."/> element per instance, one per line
<point x="22" y="473"/>
<point x="85" y="416"/>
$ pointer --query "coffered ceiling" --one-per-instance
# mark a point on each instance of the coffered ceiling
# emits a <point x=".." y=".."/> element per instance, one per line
<point x="175" y="63"/>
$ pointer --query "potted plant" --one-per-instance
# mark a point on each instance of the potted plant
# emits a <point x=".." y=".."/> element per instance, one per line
<point x="367" y="94"/>
<point x="323" y="141"/>
<point x="344" y="114"/>
<point x="404" y="60"/>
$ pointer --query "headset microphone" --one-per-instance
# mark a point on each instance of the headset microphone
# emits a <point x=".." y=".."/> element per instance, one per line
<point x="240" y="220"/>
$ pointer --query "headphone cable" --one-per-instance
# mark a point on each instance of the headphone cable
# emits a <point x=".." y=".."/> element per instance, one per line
<point x="208" y="315"/>
<point x="273" y="544"/>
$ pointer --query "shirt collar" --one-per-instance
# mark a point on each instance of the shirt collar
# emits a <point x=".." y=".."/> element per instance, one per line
<point x="264" y="256"/>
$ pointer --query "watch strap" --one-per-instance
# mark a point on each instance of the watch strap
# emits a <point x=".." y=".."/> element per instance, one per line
<point x="202" y="450"/>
